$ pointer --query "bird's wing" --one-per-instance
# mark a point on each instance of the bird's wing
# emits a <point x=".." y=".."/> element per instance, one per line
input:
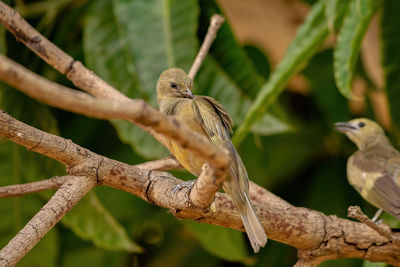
<point x="216" y="122"/>
<point x="380" y="167"/>
<point x="386" y="194"/>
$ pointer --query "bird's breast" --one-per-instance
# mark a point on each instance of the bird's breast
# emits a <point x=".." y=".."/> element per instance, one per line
<point x="184" y="114"/>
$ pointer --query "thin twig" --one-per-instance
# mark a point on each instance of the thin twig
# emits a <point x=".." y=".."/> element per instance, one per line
<point x="355" y="212"/>
<point x="62" y="201"/>
<point x="28" y="188"/>
<point x="215" y="22"/>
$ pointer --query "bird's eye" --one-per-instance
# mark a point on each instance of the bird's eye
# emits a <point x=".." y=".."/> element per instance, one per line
<point x="361" y="124"/>
<point x="173" y="85"/>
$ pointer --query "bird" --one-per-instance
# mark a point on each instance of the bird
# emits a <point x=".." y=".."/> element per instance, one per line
<point x="373" y="170"/>
<point x="206" y="116"/>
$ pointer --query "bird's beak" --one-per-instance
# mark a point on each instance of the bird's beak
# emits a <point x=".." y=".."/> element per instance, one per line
<point x="188" y="93"/>
<point x="344" y="127"/>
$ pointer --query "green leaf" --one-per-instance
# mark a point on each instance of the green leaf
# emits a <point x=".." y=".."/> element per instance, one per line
<point x="213" y="81"/>
<point x="107" y="54"/>
<point x="91" y="221"/>
<point x="390" y="23"/>
<point x="355" y="24"/>
<point x="334" y="12"/>
<point x="390" y="220"/>
<point x="158" y="34"/>
<point x="374" y="264"/>
<point x="309" y="38"/>
<point x="222" y="242"/>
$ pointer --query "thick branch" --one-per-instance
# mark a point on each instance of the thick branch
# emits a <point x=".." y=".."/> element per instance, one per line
<point x="318" y="237"/>
<point x="58" y="148"/>
<point x="28" y="188"/>
<point x="355" y="212"/>
<point x="62" y="201"/>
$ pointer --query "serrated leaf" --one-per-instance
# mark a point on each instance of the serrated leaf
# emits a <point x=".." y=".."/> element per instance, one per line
<point x="390" y="23"/>
<point x="91" y="221"/>
<point x="309" y="38"/>
<point x="355" y="24"/>
<point x="222" y="242"/>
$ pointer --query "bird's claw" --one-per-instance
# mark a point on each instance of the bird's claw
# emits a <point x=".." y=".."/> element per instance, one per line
<point x="375" y="219"/>
<point x="189" y="184"/>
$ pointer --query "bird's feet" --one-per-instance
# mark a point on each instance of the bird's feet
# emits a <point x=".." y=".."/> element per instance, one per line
<point x="189" y="184"/>
<point x="378" y="214"/>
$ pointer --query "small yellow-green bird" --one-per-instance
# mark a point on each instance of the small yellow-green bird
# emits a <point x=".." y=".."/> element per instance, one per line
<point x="374" y="170"/>
<point x="206" y="116"/>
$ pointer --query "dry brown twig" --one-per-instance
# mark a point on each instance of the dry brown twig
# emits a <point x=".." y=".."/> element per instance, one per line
<point x="355" y="212"/>
<point x="28" y="188"/>
<point x="215" y="22"/>
<point x="318" y="237"/>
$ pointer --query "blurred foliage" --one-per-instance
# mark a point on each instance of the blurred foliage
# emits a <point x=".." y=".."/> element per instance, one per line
<point x="286" y="138"/>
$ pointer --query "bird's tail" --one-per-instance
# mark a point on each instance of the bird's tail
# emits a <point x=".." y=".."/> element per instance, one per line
<point x="254" y="229"/>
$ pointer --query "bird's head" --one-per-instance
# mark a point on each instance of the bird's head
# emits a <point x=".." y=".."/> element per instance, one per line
<point x="363" y="132"/>
<point x="174" y="82"/>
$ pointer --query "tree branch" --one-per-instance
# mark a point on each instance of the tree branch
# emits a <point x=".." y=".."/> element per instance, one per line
<point x="355" y="212"/>
<point x="215" y="22"/>
<point x="28" y="188"/>
<point x="62" y="201"/>
<point x="203" y="192"/>
<point x="318" y="237"/>
<point x="55" y="57"/>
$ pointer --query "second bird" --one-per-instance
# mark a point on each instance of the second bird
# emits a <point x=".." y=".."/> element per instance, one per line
<point x="206" y="116"/>
<point x="374" y="170"/>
